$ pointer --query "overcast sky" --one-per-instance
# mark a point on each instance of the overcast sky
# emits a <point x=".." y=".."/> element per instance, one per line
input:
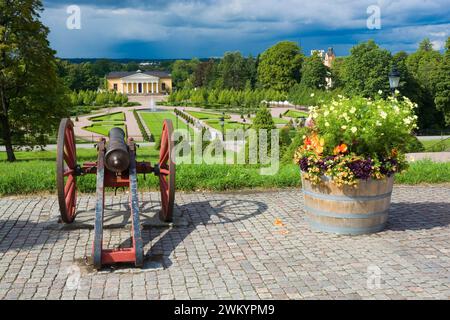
<point x="189" y="28"/>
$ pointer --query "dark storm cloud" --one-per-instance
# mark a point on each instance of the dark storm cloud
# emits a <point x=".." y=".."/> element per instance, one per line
<point x="183" y="28"/>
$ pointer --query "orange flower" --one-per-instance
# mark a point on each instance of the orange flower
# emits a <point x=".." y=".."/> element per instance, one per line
<point x="394" y="153"/>
<point x="342" y="148"/>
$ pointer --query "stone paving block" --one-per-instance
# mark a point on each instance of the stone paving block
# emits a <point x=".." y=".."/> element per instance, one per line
<point x="226" y="246"/>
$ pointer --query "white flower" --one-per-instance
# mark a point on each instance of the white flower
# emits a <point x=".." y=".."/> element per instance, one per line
<point x="312" y="95"/>
<point x="396" y="109"/>
<point x="378" y="123"/>
<point x="407" y="121"/>
<point x="380" y="92"/>
<point x="327" y="124"/>
<point x="353" y="110"/>
<point x="383" y="114"/>
<point x="326" y="113"/>
<point x="344" y="127"/>
<point x="396" y="91"/>
<point x="354" y="129"/>
<point x="331" y="108"/>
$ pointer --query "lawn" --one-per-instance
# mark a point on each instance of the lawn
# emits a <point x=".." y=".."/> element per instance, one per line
<point x="206" y="115"/>
<point x="228" y="125"/>
<point x="116" y="116"/>
<point x="295" y="114"/>
<point x="103" y="128"/>
<point x="154" y="122"/>
<point x="280" y="120"/>
<point x="436" y="145"/>
<point x="35" y="172"/>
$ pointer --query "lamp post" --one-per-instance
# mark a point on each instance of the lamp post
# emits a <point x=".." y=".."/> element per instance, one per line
<point x="222" y="124"/>
<point x="394" y="79"/>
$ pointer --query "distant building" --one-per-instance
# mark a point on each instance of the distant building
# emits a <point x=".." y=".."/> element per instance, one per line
<point x="327" y="59"/>
<point x="140" y="82"/>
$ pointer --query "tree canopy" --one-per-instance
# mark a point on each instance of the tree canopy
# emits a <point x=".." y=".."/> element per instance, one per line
<point x="366" y="70"/>
<point x="279" y="66"/>
<point x="33" y="98"/>
<point x="314" y="72"/>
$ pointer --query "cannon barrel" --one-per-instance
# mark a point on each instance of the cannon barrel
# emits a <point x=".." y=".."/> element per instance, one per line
<point x="117" y="157"/>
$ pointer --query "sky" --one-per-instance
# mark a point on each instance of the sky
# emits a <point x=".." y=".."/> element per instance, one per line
<point x="171" y="29"/>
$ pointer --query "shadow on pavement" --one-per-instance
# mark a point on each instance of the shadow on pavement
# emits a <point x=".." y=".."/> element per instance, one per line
<point x="418" y="215"/>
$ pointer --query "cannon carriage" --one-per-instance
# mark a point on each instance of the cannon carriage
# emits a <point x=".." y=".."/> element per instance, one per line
<point x="116" y="166"/>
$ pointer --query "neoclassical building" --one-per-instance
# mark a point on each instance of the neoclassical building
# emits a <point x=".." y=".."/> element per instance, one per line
<point x="140" y="82"/>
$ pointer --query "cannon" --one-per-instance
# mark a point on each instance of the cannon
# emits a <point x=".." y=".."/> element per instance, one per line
<point x="116" y="166"/>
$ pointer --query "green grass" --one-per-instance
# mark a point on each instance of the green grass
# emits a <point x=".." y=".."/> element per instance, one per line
<point x="228" y="125"/>
<point x="154" y="122"/>
<point x="206" y="115"/>
<point x="116" y="116"/>
<point x="295" y="114"/>
<point x="280" y="120"/>
<point x="436" y="145"/>
<point x="103" y="129"/>
<point x="35" y="172"/>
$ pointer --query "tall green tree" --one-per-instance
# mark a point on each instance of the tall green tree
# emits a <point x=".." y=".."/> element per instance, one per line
<point x="204" y="73"/>
<point x="182" y="71"/>
<point x="442" y="96"/>
<point x="314" y="72"/>
<point x="366" y="70"/>
<point x="233" y="71"/>
<point x="279" y="66"/>
<point x="33" y="98"/>
<point x="423" y="65"/>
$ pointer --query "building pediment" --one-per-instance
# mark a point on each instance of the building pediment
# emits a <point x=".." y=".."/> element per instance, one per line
<point x="140" y="77"/>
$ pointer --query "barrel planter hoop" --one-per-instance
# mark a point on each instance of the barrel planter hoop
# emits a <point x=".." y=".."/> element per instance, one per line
<point x="352" y="210"/>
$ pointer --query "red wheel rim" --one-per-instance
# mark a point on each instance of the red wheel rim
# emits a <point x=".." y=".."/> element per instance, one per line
<point x="66" y="164"/>
<point x="167" y="172"/>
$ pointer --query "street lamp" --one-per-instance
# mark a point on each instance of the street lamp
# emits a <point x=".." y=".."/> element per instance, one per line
<point x="222" y="124"/>
<point x="394" y="79"/>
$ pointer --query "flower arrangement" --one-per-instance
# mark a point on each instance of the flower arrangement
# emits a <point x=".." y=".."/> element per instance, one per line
<point x="357" y="138"/>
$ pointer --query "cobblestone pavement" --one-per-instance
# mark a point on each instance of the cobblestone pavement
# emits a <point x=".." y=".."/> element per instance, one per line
<point x="226" y="246"/>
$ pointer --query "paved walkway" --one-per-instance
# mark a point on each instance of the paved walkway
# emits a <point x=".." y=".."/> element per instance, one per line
<point x="433" y="156"/>
<point x="227" y="246"/>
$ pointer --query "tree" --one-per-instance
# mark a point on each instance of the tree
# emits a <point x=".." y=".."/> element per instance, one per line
<point x="203" y="74"/>
<point x="442" y="97"/>
<point x="234" y="71"/>
<point x="33" y="98"/>
<point x="314" y="72"/>
<point x="423" y="66"/>
<point x="279" y="66"/>
<point x="182" y="71"/>
<point x="263" y="120"/>
<point x="366" y="70"/>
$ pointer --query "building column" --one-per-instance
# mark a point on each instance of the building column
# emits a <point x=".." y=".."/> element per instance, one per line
<point x="146" y="88"/>
<point x="157" y="87"/>
<point x="132" y="87"/>
<point x="151" y="83"/>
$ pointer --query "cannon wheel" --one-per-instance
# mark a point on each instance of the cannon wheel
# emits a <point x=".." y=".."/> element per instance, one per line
<point x="166" y="172"/>
<point x="66" y="171"/>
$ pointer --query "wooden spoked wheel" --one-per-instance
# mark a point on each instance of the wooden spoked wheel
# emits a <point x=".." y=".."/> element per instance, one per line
<point x="66" y="171"/>
<point x="166" y="172"/>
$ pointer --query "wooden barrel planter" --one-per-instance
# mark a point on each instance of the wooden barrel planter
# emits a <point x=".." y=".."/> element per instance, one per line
<point x="348" y="210"/>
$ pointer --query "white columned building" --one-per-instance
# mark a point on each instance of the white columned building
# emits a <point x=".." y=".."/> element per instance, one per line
<point x="140" y="83"/>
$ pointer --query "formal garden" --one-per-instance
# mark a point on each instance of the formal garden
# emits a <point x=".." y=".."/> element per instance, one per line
<point x="335" y="185"/>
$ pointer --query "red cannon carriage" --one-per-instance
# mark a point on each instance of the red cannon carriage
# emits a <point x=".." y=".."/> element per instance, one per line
<point x="116" y="166"/>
